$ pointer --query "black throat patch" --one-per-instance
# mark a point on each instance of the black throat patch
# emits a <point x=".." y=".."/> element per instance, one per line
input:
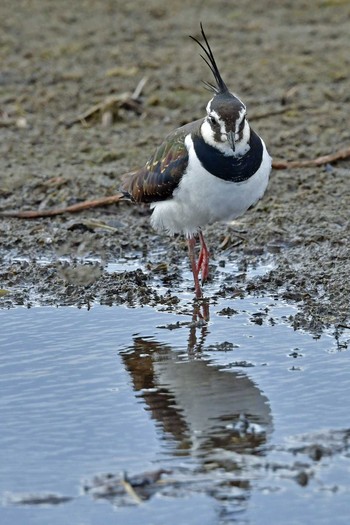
<point x="232" y="169"/>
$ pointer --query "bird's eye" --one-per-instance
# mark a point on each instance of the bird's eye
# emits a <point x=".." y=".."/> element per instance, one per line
<point x="212" y="119"/>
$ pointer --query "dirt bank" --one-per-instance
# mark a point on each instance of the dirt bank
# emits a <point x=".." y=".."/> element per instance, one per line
<point x="289" y="63"/>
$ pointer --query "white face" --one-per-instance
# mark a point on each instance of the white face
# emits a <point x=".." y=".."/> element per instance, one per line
<point x="214" y="132"/>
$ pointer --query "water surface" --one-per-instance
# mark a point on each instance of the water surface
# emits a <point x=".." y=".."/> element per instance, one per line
<point x="245" y="415"/>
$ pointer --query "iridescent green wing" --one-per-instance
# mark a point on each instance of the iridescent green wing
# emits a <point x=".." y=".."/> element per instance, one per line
<point x="161" y="175"/>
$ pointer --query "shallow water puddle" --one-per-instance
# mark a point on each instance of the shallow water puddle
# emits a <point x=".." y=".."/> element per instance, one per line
<point x="231" y="419"/>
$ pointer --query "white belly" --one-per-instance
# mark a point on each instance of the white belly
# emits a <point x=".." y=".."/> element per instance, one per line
<point x="202" y="198"/>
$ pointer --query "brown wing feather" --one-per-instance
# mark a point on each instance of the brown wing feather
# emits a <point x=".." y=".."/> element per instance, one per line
<point x="161" y="175"/>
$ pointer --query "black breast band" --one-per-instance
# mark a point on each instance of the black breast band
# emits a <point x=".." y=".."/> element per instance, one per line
<point x="232" y="169"/>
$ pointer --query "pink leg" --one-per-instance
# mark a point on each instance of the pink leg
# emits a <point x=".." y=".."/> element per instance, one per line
<point x="191" y="246"/>
<point x="203" y="261"/>
<point x="200" y="260"/>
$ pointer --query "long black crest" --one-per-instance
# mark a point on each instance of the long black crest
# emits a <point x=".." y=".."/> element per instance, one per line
<point x="211" y="63"/>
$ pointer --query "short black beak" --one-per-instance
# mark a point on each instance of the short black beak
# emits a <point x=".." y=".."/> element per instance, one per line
<point x="231" y="140"/>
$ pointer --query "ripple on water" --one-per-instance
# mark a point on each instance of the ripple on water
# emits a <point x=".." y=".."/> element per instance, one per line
<point x="238" y="410"/>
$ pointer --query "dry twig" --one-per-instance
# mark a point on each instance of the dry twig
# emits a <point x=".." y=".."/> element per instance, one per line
<point x="108" y="110"/>
<point x="319" y="161"/>
<point x="74" y="208"/>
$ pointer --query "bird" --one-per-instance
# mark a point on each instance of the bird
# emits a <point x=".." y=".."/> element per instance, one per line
<point x="212" y="169"/>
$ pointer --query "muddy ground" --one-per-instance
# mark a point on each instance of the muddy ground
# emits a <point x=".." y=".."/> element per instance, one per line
<point x="289" y="62"/>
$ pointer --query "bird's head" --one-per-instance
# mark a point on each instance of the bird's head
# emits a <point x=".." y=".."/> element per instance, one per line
<point x="226" y="126"/>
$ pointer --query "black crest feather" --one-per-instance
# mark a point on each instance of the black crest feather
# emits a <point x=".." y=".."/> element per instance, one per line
<point x="211" y="63"/>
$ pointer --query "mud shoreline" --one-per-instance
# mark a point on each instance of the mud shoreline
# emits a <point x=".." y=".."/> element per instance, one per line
<point x="296" y="86"/>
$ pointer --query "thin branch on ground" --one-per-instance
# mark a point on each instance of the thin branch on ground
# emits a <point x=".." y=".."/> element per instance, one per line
<point x="319" y="161"/>
<point x="74" y="208"/>
<point x="107" y="111"/>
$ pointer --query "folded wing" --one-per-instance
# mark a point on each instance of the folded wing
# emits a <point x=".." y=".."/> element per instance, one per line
<point x="161" y="175"/>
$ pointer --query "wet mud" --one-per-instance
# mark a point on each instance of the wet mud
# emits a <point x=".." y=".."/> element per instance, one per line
<point x="289" y="63"/>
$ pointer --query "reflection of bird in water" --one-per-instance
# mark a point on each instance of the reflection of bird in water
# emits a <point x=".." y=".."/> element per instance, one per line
<point x="208" y="412"/>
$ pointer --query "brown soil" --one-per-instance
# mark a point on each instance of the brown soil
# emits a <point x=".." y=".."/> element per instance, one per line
<point x="289" y="62"/>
